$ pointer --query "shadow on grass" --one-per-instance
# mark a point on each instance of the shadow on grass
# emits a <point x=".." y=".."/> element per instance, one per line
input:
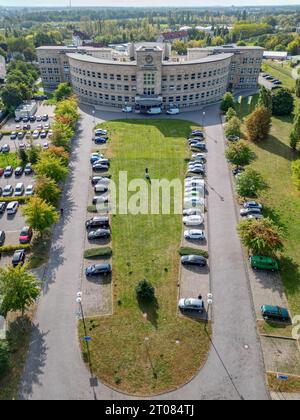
<point x="151" y="310"/>
<point x="276" y="147"/>
<point x="290" y="272"/>
<point x="275" y="216"/>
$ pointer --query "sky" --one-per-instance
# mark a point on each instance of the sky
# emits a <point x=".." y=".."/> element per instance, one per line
<point x="153" y="3"/>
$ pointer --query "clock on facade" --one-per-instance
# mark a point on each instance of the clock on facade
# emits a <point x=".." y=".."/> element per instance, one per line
<point x="149" y="59"/>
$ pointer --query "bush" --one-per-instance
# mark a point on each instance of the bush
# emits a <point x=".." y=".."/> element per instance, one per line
<point x="105" y="252"/>
<point x="9" y="249"/>
<point x="4" y="357"/>
<point x="282" y="102"/>
<point x="21" y="200"/>
<point x="193" y="251"/>
<point x="145" y="292"/>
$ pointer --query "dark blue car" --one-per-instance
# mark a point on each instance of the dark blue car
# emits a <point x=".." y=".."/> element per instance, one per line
<point x="100" y="140"/>
<point x="98" y="270"/>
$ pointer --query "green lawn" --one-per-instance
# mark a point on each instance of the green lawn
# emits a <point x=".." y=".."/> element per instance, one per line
<point x="146" y="246"/>
<point x="7" y="159"/>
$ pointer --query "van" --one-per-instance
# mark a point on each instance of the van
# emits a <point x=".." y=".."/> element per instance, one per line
<point x="275" y="313"/>
<point x="263" y="263"/>
<point x="19" y="191"/>
<point x="12" y="207"/>
<point x="154" y="111"/>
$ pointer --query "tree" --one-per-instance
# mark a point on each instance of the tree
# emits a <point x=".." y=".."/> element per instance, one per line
<point x="298" y="88"/>
<point x="4" y="357"/>
<point x="233" y="127"/>
<point x="47" y="190"/>
<point x="62" y="135"/>
<point x="33" y="153"/>
<point x="39" y="214"/>
<point x="217" y="41"/>
<point x="239" y="154"/>
<point x="62" y="91"/>
<point x="227" y="102"/>
<point x="52" y="167"/>
<point x="11" y="96"/>
<point x="296" y="173"/>
<point x="145" y="291"/>
<point x="282" y="102"/>
<point x="250" y="183"/>
<point x="265" y="99"/>
<point x="261" y="237"/>
<point x="258" y="124"/>
<point x="19" y="288"/>
<point x="230" y="114"/>
<point x="295" y="133"/>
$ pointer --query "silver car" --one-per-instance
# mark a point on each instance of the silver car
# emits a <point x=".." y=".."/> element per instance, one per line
<point x="194" y="234"/>
<point x="190" y="304"/>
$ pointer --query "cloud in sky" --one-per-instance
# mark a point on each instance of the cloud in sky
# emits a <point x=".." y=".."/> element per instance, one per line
<point x="153" y="3"/>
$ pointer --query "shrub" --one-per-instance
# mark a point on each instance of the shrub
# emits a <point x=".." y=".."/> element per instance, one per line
<point x="9" y="249"/>
<point x="145" y="292"/>
<point x="4" y="357"/>
<point x="21" y="200"/>
<point x="105" y="252"/>
<point x="193" y="251"/>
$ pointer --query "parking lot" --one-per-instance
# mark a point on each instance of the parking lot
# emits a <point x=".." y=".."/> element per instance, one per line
<point x="11" y="125"/>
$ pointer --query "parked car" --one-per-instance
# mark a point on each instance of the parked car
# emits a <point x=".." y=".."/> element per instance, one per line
<point x="233" y="138"/>
<point x="5" y="148"/>
<point x="18" y="258"/>
<point x="192" y="212"/>
<point x="194" y="140"/>
<point x="100" y="179"/>
<point x="12" y="208"/>
<point x="252" y="205"/>
<point x="13" y="135"/>
<point x="100" y="140"/>
<point x="173" y="111"/>
<point x="194" y="234"/>
<point x="198" y="146"/>
<point x="197" y="260"/>
<point x="19" y="190"/>
<point x="101" y="189"/>
<point x="35" y="134"/>
<point x="100" y="200"/>
<point x="19" y="171"/>
<point x="191" y="305"/>
<point x="100" y="132"/>
<point x="45" y="117"/>
<point x="154" y="111"/>
<point x="97" y="222"/>
<point x="98" y="269"/>
<point x="99" y="234"/>
<point x="263" y="263"/>
<point x="275" y="313"/>
<point x="43" y="134"/>
<point x="7" y="191"/>
<point x="28" y="169"/>
<point x="2" y="207"/>
<point x="193" y="220"/>
<point x="198" y="133"/>
<point x="250" y="212"/>
<point x="38" y="118"/>
<point x="127" y="109"/>
<point x="100" y="167"/>
<point x="25" y="235"/>
<point x="29" y="190"/>
<point x="2" y="237"/>
<point x="21" y="135"/>
<point x="8" y="171"/>
<point x="96" y="156"/>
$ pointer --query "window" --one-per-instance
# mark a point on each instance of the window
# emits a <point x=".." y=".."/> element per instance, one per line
<point x="186" y="77"/>
<point x="105" y="76"/>
<point x="193" y="76"/>
<point x="133" y="78"/>
<point x="149" y="79"/>
<point x="179" y="77"/>
<point x="99" y="75"/>
<point x="126" y="78"/>
<point x="119" y="77"/>
<point x="111" y="77"/>
<point x="93" y="74"/>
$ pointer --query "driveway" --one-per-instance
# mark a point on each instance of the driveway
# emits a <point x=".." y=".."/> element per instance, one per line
<point x="54" y="369"/>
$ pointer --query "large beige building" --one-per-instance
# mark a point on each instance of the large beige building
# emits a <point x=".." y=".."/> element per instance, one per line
<point x="147" y="74"/>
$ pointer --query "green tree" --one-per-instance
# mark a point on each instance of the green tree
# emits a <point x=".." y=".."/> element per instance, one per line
<point x="227" y="102"/>
<point x="295" y="133"/>
<point x="19" y="288"/>
<point x="47" y="190"/>
<point x="62" y="135"/>
<point x="39" y="214"/>
<point x="282" y="102"/>
<point x="261" y="237"/>
<point x="230" y="114"/>
<point x="52" y="167"/>
<point x="4" y="357"/>
<point x="62" y="91"/>
<point x="33" y="153"/>
<point x="265" y="98"/>
<point x="296" y="173"/>
<point x="145" y="291"/>
<point x="298" y="88"/>
<point x="11" y="96"/>
<point x="250" y="183"/>
<point x="258" y="124"/>
<point x="239" y="154"/>
<point x="233" y="127"/>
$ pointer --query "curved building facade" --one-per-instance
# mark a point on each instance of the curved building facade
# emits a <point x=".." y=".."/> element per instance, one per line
<point x="147" y="76"/>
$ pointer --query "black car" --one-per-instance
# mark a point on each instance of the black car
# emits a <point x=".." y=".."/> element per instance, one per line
<point x="99" y="234"/>
<point x="28" y="169"/>
<point x="99" y="179"/>
<point x="32" y="118"/>
<point x="194" y="260"/>
<point x="100" y="167"/>
<point x="98" y="270"/>
<point x="97" y="222"/>
<point x="18" y="119"/>
<point x="45" y="117"/>
<point x="239" y="170"/>
<point x="2" y="237"/>
<point x="2" y="207"/>
<point x="18" y="258"/>
<point x="25" y="119"/>
<point x="19" y="171"/>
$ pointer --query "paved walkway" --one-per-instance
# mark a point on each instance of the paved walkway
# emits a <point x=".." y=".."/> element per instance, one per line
<point x="54" y="368"/>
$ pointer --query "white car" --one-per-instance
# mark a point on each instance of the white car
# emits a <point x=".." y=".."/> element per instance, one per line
<point x="29" y="190"/>
<point x="100" y="132"/>
<point x="194" y="234"/>
<point x="46" y="146"/>
<point x="192" y="212"/>
<point x="196" y="187"/>
<point x="127" y="109"/>
<point x="154" y="111"/>
<point x="193" y="220"/>
<point x="35" y="134"/>
<point x="12" y="207"/>
<point x="19" y="190"/>
<point x="7" y="191"/>
<point x="199" y="155"/>
<point x="173" y="111"/>
<point x="193" y="202"/>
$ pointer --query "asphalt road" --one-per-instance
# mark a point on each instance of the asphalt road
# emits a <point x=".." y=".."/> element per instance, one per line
<point x="54" y="368"/>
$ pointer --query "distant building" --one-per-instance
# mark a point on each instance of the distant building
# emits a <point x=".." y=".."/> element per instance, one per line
<point x="173" y="36"/>
<point x="209" y="30"/>
<point x="2" y="328"/>
<point x="2" y="69"/>
<point x="275" y="55"/>
<point x="80" y="38"/>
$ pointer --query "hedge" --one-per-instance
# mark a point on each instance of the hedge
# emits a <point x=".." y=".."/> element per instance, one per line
<point x="8" y="249"/>
<point x="105" y="252"/>
<point x="193" y="251"/>
<point x="21" y="199"/>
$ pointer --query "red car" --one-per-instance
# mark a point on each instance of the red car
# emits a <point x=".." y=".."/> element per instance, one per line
<point x="1" y="171"/>
<point x="25" y="235"/>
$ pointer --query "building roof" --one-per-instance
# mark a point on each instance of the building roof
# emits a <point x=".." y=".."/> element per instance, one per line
<point x="174" y="35"/>
<point x="279" y="54"/>
<point x="96" y="60"/>
<point x="208" y="59"/>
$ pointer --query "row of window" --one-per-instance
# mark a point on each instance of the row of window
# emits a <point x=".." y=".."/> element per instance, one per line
<point x="192" y="86"/>
<point x="105" y="76"/>
<point x="250" y="70"/>
<point x="251" y="60"/>
<point x="194" y="76"/>
<point x="48" y="60"/>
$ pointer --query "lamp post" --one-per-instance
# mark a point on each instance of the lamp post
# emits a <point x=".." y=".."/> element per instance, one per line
<point x="93" y="112"/>
<point x="203" y="118"/>
<point x="209" y="304"/>
<point x="86" y="338"/>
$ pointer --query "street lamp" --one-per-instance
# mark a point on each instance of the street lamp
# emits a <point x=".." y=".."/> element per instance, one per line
<point x="203" y="117"/>
<point x="93" y="112"/>
<point x="209" y="304"/>
<point x="86" y="338"/>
